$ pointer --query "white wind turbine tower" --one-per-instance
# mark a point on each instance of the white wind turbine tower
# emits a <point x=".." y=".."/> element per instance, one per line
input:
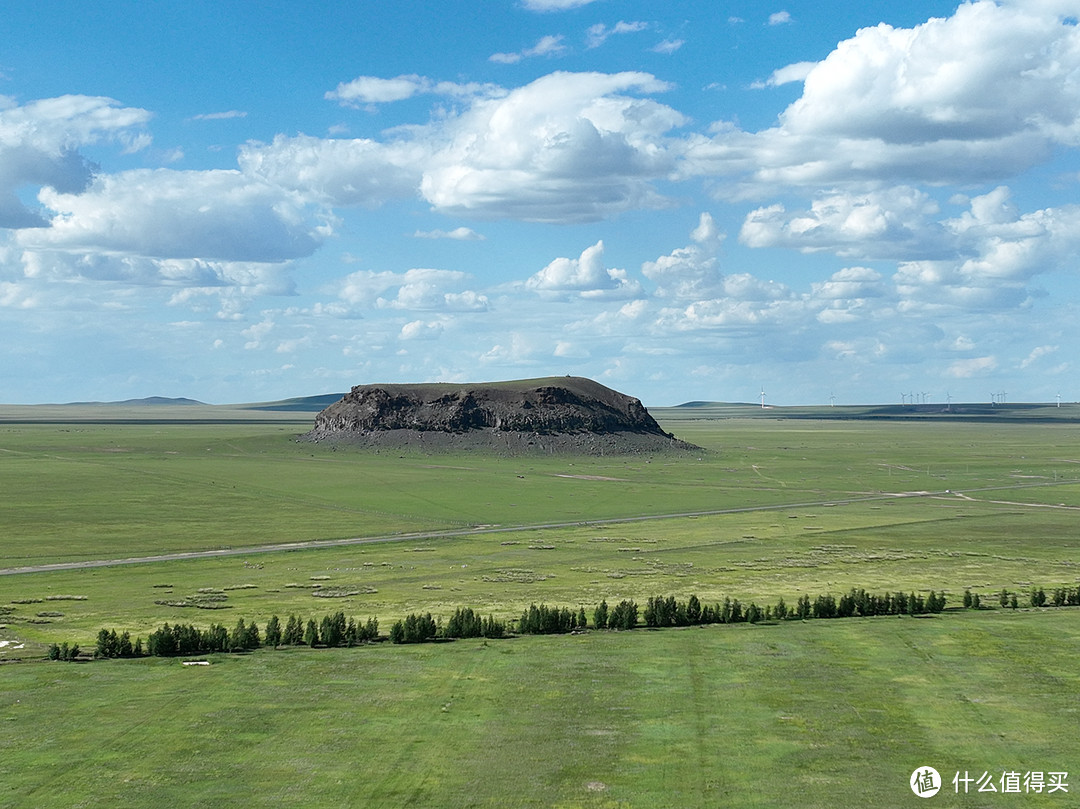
<point x="1059" y="398"/>
<point x="832" y="400"/>
<point x="763" y="398"/>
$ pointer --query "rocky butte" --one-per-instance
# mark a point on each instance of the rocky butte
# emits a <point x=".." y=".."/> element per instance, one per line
<point x="551" y="415"/>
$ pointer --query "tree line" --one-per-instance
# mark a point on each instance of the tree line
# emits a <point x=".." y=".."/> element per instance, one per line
<point x="335" y="630"/>
<point x="464" y="623"/>
<point x="187" y="639"/>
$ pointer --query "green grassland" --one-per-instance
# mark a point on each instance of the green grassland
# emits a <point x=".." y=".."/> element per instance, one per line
<point x="816" y="714"/>
<point x="94" y="491"/>
<point x="885" y="506"/>
<point x="825" y="713"/>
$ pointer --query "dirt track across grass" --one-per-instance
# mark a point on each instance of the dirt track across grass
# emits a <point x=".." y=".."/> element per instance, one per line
<point x="488" y="529"/>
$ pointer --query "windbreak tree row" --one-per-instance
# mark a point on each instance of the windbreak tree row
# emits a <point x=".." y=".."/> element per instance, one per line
<point x="186" y="639"/>
<point x="660" y="611"/>
<point x="464" y="623"/>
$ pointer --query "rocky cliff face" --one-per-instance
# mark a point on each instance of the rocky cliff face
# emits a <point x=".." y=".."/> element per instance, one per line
<point x="566" y="412"/>
<point x="571" y="406"/>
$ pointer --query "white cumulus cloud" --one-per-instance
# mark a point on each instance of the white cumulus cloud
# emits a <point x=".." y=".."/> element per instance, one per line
<point x="690" y="272"/>
<point x="980" y="95"/>
<point x="585" y="276"/>
<point x="211" y="215"/>
<point x="420" y="289"/>
<point x="40" y="141"/>
<point x="893" y="222"/>
<point x="566" y="147"/>
<point x="360" y="172"/>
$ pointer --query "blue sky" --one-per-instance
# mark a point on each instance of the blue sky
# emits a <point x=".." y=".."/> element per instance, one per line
<point x="690" y="200"/>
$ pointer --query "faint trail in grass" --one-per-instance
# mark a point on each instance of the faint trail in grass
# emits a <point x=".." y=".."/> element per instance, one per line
<point x="1016" y="503"/>
<point x="497" y="529"/>
<point x="757" y="471"/>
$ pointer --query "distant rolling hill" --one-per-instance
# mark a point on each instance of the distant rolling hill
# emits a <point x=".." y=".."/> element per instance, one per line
<point x="295" y="409"/>
<point x="298" y="404"/>
<point x="955" y="411"/>
<point x="146" y="401"/>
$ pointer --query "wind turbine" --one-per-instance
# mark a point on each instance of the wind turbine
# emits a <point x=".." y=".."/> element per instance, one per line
<point x="1059" y="398"/>
<point x="948" y="401"/>
<point x="832" y="400"/>
<point x="903" y="398"/>
<point x="763" y="398"/>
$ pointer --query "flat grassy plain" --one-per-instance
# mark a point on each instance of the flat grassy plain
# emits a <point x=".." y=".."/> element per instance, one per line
<point x="815" y="714"/>
<point x="827" y="713"/>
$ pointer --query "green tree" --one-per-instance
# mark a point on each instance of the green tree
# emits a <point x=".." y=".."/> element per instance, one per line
<point x="294" y="632"/>
<point x="600" y="615"/>
<point x="725" y="611"/>
<point x="419" y="628"/>
<point x="332" y="629"/>
<point x="693" y="610"/>
<point x="371" y="629"/>
<point x="494" y="629"/>
<point x="101" y="647"/>
<point x="623" y="616"/>
<point x="780" y="610"/>
<point x="397" y="632"/>
<point x="311" y="634"/>
<point x="651" y="613"/>
<point x="464" y="623"/>
<point x="931" y="602"/>
<point x="802" y="607"/>
<point x="273" y="632"/>
<point x="736" y="612"/>
<point x="215" y="639"/>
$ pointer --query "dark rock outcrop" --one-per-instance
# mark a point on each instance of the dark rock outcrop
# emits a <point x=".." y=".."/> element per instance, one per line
<point x="559" y="414"/>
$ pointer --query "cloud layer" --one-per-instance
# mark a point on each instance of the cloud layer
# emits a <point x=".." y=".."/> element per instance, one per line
<point x="594" y="219"/>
